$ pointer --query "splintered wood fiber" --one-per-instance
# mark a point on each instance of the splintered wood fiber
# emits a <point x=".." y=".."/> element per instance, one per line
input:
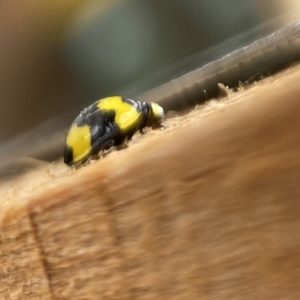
<point x="207" y="208"/>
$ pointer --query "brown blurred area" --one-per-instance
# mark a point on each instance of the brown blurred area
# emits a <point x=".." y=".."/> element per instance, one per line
<point x="58" y="56"/>
<point x="34" y="82"/>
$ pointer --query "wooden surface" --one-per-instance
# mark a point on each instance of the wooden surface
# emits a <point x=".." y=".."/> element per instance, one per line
<point x="207" y="208"/>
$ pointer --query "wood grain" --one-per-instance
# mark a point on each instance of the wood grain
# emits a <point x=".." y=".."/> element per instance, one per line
<point x="22" y="273"/>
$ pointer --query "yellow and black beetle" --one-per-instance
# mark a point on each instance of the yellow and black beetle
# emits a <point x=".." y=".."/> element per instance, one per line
<point x="108" y="122"/>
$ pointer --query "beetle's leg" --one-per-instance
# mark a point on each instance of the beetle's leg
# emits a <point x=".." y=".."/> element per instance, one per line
<point x="143" y="130"/>
<point x="124" y="145"/>
<point x="108" y="144"/>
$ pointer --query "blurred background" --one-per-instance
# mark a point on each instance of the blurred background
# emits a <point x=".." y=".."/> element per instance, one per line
<point x="59" y="56"/>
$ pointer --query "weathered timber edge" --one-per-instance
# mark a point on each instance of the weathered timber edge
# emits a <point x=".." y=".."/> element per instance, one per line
<point x="208" y="210"/>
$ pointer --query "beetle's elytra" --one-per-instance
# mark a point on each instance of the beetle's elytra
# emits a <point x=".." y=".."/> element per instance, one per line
<point x="108" y="122"/>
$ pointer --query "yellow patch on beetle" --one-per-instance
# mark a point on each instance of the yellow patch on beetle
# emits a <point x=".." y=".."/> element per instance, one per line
<point x="79" y="139"/>
<point x="126" y="114"/>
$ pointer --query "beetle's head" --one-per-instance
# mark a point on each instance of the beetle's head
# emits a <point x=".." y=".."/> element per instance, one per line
<point x="156" y="115"/>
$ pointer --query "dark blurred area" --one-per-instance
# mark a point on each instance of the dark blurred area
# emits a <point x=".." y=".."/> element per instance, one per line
<point x="59" y="56"/>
